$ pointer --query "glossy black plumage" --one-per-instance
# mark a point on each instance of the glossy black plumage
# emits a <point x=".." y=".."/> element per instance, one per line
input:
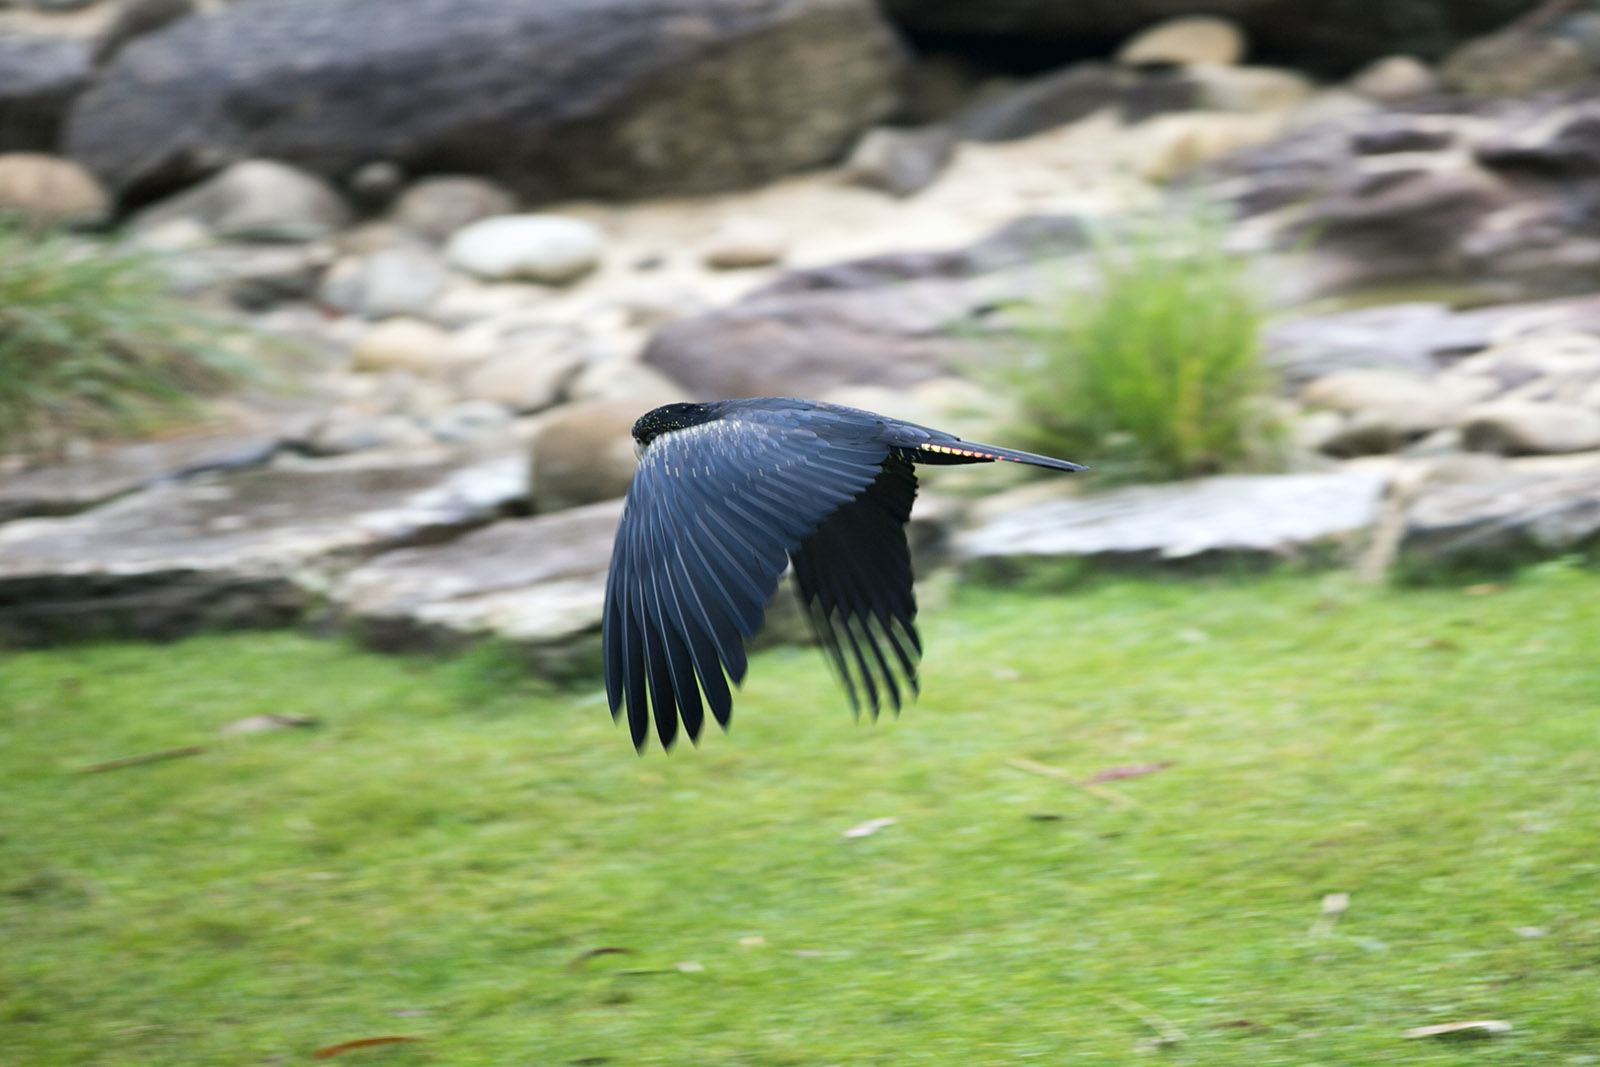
<point x="728" y="495"/>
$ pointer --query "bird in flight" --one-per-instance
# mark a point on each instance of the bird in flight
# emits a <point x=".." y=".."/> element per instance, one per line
<point x="727" y="495"/>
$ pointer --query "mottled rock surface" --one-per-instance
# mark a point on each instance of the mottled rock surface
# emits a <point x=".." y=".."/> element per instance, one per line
<point x="65" y="489"/>
<point x="1242" y="518"/>
<point x="537" y="582"/>
<point x="238" y="549"/>
<point x="1529" y="511"/>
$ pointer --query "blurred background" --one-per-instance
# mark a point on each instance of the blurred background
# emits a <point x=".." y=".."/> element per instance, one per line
<point x="329" y="319"/>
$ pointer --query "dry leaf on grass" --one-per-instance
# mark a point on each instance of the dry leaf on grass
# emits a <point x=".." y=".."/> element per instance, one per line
<point x="363" y="1042"/>
<point x="1484" y="588"/>
<point x="257" y="724"/>
<point x="1333" y="906"/>
<point x="1475" y="1028"/>
<point x="1132" y="770"/>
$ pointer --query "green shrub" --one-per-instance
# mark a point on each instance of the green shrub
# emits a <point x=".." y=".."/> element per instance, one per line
<point x="1152" y="371"/>
<point x="93" y="345"/>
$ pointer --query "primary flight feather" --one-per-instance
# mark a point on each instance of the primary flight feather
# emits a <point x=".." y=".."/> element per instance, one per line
<point x="728" y="494"/>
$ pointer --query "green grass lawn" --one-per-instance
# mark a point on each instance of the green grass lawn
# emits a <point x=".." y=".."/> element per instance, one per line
<point x="437" y="858"/>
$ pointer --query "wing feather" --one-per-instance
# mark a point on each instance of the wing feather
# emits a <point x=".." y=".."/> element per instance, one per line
<point x="854" y="574"/>
<point x="711" y="519"/>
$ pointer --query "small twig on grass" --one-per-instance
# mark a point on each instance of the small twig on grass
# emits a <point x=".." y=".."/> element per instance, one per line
<point x="146" y="757"/>
<point x="363" y="1042"/>
<point x="1167" y="1031"/>
<point x="1111" y="796"/>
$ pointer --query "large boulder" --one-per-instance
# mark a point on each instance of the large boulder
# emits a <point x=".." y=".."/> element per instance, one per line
<point x="1532" y="509"/>
<point x="1329" y="36"/>
<point x="38" y="79"/>
<point x="1234" y="519"/>
<point x="44" y="190"/>
<point x="891" y="320"/>
<point x="553" y="98"/>
<point x="537" y="583"/>
<point x="805" y="343"/>
<point x="253" y="200"/>
<point x="247" y="548"/>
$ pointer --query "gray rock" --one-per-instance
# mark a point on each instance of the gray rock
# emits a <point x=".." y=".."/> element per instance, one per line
<point x="1371" y="433"/>
<point x="1389" y="409"/>
<point x="1312" y="431"/>
<point x="891" y="320"/>
<point x="135" y="18"/>
<point x="900" y="162"/>
<point x="404" y="279"/>
<point x="806" y="343"/>
<point x="472" y="422"/>
<point x="1416" y="338"/>
<point x="529" y="376"/>
<point x="344" y="431"/>
<point x="1514" y="64"/>
<point x="1402" y="337"/>
<point x="243" y="549"/>
<point x="542" y="248"/>
<point x="65" y="489"/>
<point x="539" y="583"/>
<point x="1249" y="90"/>
<point x="1361" y="390"/>
<point x="554" y="98"/>
<point x="1483" y="194"/>
<point x="46" y="191"/>
<point x="1394" y="79"/>
<point x="39" y="76"/>
<point x="582" y="453"/>
<point x="438" y="207"/>
<point x="1502" y="520"/>
<point x="1076" y="92"/>
<point x="1565" y="140"/>
<point x="255" y="200"/>
<point x="1404" y="213"/>
<point x="1028" y="239"/>
<point x="744" y="241"/>
<point x="1521" y="428"/>
<point x="1439" y="443"/>
<point x="1189" y="39"/>
<point x="403" y="344"/>
<point x="1246" y="518"/>
<point x="374" y="185"/>
<point x="625" y="379"/>
<point x="251" y="276"/>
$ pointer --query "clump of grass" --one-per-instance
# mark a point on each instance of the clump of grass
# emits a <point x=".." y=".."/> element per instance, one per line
<point x="93" y="345"/>
<point x="1152" y="372"/>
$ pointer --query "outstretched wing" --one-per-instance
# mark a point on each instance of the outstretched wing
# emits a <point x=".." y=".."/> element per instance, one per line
<point x="710" y="520"/>
<point x="854" y="575"/>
